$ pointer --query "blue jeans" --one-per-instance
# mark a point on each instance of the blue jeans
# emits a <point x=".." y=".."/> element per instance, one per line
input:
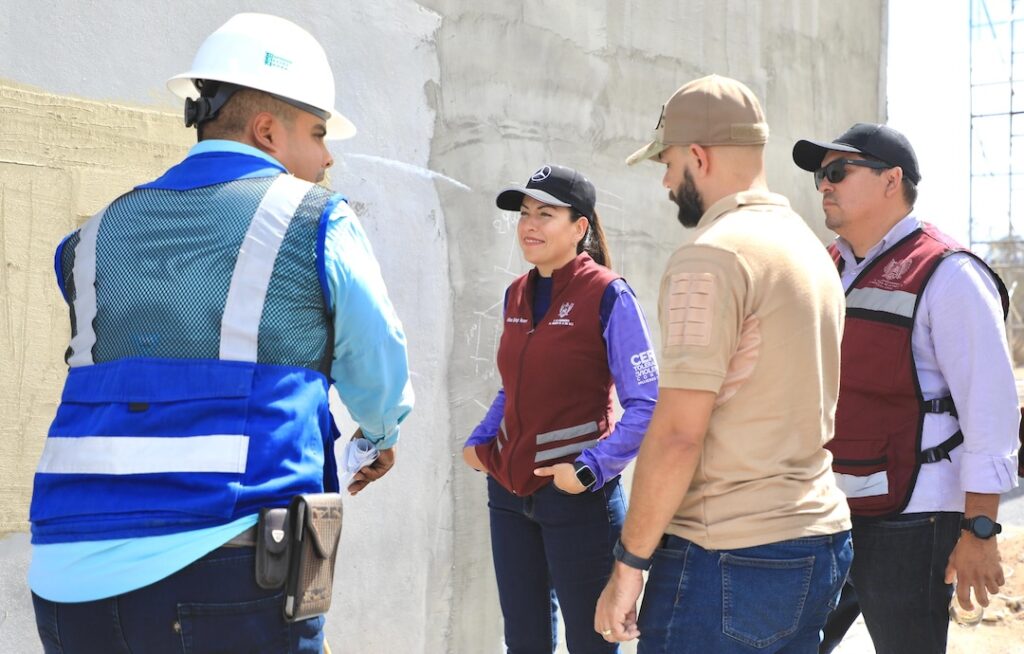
<point x="898" y="583"/>
<point x="551" y="549"/>
<point x="769" y="598"/>
<point x="213" y="605"/>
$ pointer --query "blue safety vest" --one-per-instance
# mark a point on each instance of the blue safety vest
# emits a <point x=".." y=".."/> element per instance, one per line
<point x="199" y="359"/>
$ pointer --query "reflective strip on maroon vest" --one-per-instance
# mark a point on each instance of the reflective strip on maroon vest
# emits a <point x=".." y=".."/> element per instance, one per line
<point x="555" y="375"/>
<point x="880" y="417"/>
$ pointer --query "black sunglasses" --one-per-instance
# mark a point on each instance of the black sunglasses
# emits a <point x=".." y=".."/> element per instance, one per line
<point x="835" y="171"/>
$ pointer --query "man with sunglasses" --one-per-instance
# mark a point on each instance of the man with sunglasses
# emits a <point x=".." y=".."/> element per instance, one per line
<point x="927" y="419"/>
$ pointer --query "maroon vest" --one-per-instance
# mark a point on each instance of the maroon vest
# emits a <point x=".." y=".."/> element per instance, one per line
<point x="880" y="414"/>
<point x="555" y="375"/>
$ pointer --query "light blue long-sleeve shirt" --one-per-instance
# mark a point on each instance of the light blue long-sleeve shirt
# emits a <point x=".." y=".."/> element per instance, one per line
<point x="369" y="371"/>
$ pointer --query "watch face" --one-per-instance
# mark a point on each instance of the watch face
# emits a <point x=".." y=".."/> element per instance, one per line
<point x="586" y="476"/>
<point x="983" y="527"/>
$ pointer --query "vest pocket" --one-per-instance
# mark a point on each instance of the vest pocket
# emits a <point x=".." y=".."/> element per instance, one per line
<point x="146" y="444"/>
<point x="886" y="367"/>
<point x="861" y="468"/>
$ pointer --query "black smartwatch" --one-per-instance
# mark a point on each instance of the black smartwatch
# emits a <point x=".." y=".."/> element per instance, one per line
<point x="981" y="526"/>
<point x="585" y="475"/>
<point x="632" y="560"/>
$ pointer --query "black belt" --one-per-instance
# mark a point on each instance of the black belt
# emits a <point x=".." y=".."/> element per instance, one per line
<point x="245" y="539"/>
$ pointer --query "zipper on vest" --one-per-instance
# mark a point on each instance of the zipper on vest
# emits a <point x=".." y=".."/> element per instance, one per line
<point x="519" y="383"/>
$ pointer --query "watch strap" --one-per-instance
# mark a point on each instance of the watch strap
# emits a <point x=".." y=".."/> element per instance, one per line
<point x="632" y="560"/>
<point x="968" y="524"/>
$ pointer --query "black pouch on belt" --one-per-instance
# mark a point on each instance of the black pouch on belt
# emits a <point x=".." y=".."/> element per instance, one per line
<point x="273" y="548"/>
<point x="316" y="532"/>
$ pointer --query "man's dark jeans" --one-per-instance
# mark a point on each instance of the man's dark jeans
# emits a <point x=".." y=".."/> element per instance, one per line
<point x="551" y="549"/>
<point x="898" y="582"/>
<point x="213" y="605"/>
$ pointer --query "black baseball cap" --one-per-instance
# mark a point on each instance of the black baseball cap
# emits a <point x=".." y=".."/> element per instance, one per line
<point x="555" y="185"/>
<point x="879" y="141"/>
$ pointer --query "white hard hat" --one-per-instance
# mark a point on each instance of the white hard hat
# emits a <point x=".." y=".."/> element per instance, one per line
<point x="270" y="54"/>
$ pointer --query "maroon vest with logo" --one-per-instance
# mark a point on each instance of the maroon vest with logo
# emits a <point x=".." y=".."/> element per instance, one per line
<point x="880" y="414"/>
<point x="555" y="375"/>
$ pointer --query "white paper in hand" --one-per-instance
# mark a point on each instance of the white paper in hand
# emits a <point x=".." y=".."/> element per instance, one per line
<point x="358" y="453"/>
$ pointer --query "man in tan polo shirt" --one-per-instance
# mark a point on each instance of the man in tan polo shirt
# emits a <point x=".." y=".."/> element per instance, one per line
<point x="733" y="499"/>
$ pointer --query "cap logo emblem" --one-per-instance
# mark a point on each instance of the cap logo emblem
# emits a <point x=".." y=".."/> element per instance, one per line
<point x="542" y="173"/>
<point x="661" y="118"/>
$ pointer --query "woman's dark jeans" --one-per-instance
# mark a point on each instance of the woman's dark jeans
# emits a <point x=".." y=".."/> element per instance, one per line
<point x="553" y="550"/>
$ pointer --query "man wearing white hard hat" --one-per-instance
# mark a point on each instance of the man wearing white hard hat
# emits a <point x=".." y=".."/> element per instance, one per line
<point x="211" y="310"/>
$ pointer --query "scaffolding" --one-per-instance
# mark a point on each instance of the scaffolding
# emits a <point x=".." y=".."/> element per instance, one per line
<point x="996" y="221"/>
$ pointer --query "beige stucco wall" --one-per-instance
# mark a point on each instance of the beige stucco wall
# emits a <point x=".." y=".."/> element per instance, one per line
<point x="61" y="160"/>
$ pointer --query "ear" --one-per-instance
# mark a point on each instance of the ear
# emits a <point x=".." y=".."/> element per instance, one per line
<point x="893" y="181"/>
<point x="701" y="160"/>
<point x="582" y="224"/>
<point x="265" y="131"/>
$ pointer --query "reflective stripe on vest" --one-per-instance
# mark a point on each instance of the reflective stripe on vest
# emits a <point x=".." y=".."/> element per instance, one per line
<point x="565" y="450"/>
<point x="900" y="303"/>
<point x="877" y="449"/>
<point x="85" y="297"/>
<point x="142" y="455"/>
<point x="239" y="338"/>
<point x="248" y="290"/>
<point x="871" y="485"/>
<point x="565" y="434"/>
<point x="539" y="360"/>
<point x="147" y="446"/>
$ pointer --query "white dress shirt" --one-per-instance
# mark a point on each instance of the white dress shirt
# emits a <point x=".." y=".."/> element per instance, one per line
<point x="960" y="349"/>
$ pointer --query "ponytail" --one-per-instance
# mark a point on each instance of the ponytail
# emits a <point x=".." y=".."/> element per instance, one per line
<point x="593" y="242"/>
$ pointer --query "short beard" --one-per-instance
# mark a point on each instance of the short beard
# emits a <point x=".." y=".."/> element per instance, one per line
<point x="691" y="204"/>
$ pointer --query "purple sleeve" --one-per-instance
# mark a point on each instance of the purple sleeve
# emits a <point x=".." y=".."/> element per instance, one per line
<point x="487" y="430"/>
<point x="635" y="373"/>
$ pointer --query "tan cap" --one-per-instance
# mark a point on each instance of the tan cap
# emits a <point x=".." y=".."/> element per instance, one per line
<point x="712" y="110"/>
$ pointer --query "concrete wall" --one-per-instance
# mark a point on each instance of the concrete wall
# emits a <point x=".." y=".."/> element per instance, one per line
<point x="453" y="100"/>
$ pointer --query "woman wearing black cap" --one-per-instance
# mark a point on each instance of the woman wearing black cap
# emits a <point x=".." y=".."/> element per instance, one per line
<point x="549" y="442"/>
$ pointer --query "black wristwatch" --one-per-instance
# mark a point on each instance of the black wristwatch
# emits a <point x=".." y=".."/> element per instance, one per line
<point x="981" y="526"/>
<point x="632" y="560"/>
<point x="585" y="475"/>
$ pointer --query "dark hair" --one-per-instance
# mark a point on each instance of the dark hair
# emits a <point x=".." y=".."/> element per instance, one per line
<point x="593" y="242"/>
<point x="909" y="192"/>
<point x="908" y="187"/>
<point x="240" y="107"/>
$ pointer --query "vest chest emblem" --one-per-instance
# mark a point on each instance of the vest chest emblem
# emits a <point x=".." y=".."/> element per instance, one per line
<point x="563" y="315"/>
<point x="891" y="277"/>
<point x="895" y="269"/>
